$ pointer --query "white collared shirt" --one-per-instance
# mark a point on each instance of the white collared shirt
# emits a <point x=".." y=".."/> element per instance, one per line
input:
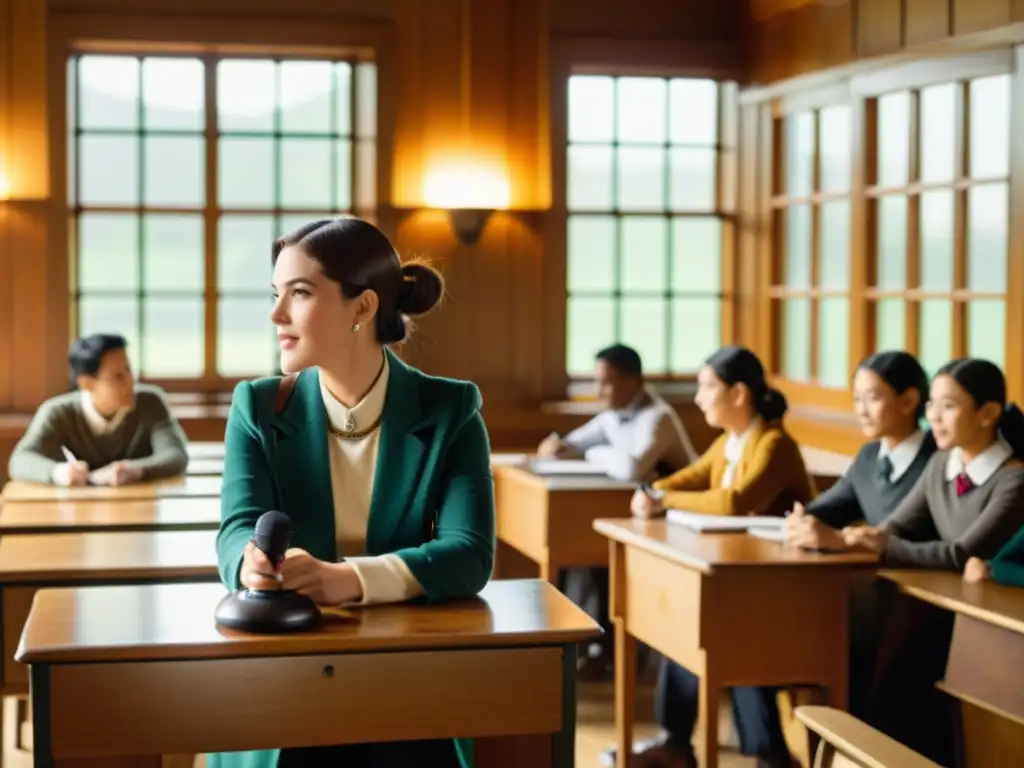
<point x="982" y="466"/>
<point x="98" y="423"/>
<point x="734" y="445"/>
<point x="386" y="578"/>
<point x="902" y="455"/>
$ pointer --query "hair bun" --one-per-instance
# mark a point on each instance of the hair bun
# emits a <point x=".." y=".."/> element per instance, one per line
<point x="422" y="287"/>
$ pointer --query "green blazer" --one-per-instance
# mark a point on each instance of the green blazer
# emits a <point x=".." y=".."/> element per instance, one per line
<point x="1007" y="566"/>
<point x="432" y="502"/>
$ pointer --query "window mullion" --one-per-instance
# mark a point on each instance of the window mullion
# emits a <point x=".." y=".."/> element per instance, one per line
<point x="211" y="223"/>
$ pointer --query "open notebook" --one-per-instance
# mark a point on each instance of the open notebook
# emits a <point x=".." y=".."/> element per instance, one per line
<point x="723" y="523"/>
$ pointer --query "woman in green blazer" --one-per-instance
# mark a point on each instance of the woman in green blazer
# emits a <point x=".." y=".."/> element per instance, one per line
<point x="1006" y="568"/>
<point x="384" y="470"/>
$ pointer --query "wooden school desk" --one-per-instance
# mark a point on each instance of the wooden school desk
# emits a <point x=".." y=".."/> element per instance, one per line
<point x="98" y="515"/>
<point x="732" y="608"/>
<point x="175" y="487"/>
<point x="550" y="518"/>
<point x="985" y="669"/>
<point x="107" y="681"/>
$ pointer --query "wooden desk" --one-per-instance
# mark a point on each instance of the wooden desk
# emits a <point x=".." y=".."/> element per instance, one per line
<point x="498" y="668"/>
<point x="985" y="668"/>
<point x="97" y="515"/>
<point x="198" y="449"/>
<point x="732" y="608"/>
<point x="550" y="519"/>
<point x="175" y="487"/>
<point x="207" y="467"/>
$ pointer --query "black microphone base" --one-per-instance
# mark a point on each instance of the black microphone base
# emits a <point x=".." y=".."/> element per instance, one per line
<point x="267" y="612"/>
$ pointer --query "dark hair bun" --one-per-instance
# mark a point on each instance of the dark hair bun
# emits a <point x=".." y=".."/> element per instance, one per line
<point x="422" y="288"/>
<point x="773" y="405"/>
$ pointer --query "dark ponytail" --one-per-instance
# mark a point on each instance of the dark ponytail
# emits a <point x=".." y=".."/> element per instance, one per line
<point x="738" y="365"/>
<point x="985" y="383"/>
<point x="901" y="371"/>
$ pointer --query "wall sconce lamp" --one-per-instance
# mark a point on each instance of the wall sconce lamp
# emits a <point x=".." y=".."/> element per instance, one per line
<point x="470" y="193"/>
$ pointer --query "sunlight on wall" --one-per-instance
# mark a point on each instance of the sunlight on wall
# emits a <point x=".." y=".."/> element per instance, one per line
<point x="467" y="185"/>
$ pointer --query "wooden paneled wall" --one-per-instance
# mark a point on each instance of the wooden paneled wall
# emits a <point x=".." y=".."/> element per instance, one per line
<point x="797" y="37"/>
<point x="460" y="80"/>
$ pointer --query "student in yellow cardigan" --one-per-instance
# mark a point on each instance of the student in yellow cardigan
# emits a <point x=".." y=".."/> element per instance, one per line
<point x="753" y="468"/>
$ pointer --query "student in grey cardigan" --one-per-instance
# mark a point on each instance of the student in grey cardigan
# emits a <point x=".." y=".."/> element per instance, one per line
<point x="108" y="431"/>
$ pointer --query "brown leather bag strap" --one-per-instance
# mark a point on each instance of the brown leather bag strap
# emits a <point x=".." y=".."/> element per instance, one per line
<point x="284" y="391"/>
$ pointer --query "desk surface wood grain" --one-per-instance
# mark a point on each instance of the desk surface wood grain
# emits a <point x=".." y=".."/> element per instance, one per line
<point x="988" y="602"/>
<point x="98" y="515"/>
<point x="175" y="487"/>
<point x="106" y="624"/>
<point x="84" y="557"/>
<point x="707" y="551"/>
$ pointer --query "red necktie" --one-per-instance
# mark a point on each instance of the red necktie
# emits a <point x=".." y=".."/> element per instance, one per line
<point x="963" y="484"/>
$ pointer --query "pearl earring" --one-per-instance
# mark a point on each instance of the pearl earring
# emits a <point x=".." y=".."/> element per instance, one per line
<point x="355" y="328"/>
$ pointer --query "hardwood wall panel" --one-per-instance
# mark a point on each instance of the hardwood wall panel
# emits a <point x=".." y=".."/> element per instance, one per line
<point x="926" y="21"/>
<point x="976" y="15"/>
<point x="675" y="19"/>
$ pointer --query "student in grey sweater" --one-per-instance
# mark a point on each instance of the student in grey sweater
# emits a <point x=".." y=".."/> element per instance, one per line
<point x="109" y="431"/>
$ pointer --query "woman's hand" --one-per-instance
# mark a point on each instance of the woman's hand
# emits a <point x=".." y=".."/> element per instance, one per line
<point x="867" y="536"/>
<point x="324" y="583"/>
<point x="257" y="571"/>
<point x="643" y="506"/>
<point x="976" y="570"/>
<point x="808" y="532"/>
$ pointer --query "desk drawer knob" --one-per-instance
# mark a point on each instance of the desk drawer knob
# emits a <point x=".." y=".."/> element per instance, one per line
<point x="328" y="670"/>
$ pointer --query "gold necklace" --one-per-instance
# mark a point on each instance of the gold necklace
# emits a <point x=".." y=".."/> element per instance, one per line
<point x="350" y="433"/>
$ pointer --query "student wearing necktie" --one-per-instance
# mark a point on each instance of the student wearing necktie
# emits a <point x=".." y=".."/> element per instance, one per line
<point x="383" y="470"/>
<point x="969" y="502"/>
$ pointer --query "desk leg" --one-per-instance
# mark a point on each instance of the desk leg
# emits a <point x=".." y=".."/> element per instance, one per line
<point x="710" y="695"/>
<point x="625" y="692"/>
<point x="563" y="743"/>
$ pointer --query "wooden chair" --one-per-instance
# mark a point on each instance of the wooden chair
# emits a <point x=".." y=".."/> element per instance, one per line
<point x="846" y="742"/>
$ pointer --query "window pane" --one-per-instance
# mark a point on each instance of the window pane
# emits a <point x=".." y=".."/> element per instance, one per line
<point x="892" y="242"/>
<point x="173" y="94"/>
<point x="109" y="170"/>
<point x="796" y="339"/>
<point x="990" y="126"/>
<point x="288" y="223"/>
<point x="366" y="99"/>
<point x="938" y="132"/>
<point x="246" y="173"/>
<point x="697" y="254"/>
<point x="366" y="175"/>
<point x="641" y="179"/>
<point x="798" y="247"/>
<point x="246" y="95"/>
<point x="890" y="325"/>
<point x="834" y="245"/>
<point x="986" y="330"/>
<point x="799" y="154"/>
<point x="693" y="111"/>
<point x="175" y="171"/>
<point x="590" y="326"/>
<point x="111" y="315"/>
<point x="173" y="340"/>
<point x="893" y="139"/>
<point x="243" y="253"/>
<point x="71" y="161"/>
<point x="987" y="236"/>
<point x="246" y="342"/>
<point x="936" y="333"/>
<point x="836" y="157"/>
<point x="306" y="173"/>
<point x="343" y="176"/>
<point x="644" y="325"/>
<point x="307" y="88"/>
<point x="589" y="186"/>
<point x="108" y="252"/>
<point x="641" y="106"/>
<point x="108" y="92"/>
<point x="591" y="246"/>
<point x="591" y="114"/>
<point x="833" y="341"/>
<point x="694" y="179"/>
<point x="343" y="98"/>
<point x="937" y="240"/>
<point x="173" y="253"/>
<point x="696" y="332"/>
<point x="644" y="254"/>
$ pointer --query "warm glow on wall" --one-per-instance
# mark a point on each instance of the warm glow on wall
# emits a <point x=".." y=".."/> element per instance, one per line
<point x="477" y="185"/>
<point x="5" y="186"/>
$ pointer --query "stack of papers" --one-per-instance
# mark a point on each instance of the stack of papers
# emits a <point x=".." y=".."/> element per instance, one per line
<point x="723" y="523"/>
<point x="565" y="467"/>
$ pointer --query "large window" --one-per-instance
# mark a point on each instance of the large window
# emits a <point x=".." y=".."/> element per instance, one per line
<point x="812" y="222"/>
<point x="182" y="171"/>
<point x="645" y="227"/>
<point x="941" y="199"/>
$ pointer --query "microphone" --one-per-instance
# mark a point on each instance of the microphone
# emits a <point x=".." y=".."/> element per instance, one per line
<point x="269" y="611"/>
